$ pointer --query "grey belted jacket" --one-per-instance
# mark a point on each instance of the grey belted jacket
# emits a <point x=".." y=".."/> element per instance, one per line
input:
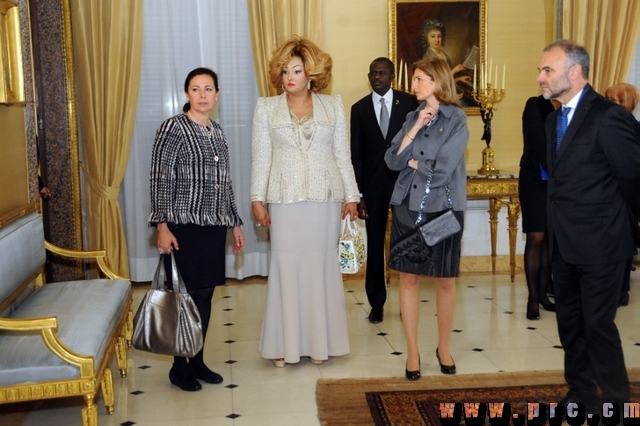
<point x="440" y="145"/>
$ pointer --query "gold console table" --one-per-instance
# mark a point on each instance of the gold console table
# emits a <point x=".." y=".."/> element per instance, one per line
<point x="496" y="188"/>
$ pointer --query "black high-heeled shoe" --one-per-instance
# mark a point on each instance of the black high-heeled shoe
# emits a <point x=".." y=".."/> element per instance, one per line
<point x="548" y="305"/>
<point x="533" y="311"/>
<point x="446" y="369"/>
<point x="413" y="375"/>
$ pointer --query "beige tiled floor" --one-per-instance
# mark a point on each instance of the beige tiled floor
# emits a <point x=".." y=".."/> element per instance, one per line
<point x="491" y="334"/>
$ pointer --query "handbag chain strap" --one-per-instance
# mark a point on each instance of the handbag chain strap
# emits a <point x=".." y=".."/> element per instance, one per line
<point x="427" y="189"/>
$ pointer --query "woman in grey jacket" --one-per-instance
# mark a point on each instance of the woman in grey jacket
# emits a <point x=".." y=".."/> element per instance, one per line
<point x="431" y="147"/>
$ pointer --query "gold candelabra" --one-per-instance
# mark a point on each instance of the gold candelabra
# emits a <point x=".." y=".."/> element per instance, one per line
<point x="487" y="97"/>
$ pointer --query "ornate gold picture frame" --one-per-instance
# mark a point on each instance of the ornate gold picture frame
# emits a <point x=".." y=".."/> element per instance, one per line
<point x="462" y="31"/>
<point x="11" y="74"/>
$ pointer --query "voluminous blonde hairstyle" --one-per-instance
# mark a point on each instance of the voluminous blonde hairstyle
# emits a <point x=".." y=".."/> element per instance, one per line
<point x="317" y="64"/>
<point x="627" y="94"/>
<point x="440" y="72"/>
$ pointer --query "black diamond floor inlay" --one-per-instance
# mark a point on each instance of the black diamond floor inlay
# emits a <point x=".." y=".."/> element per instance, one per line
<point x="233" y="416"/>
<point x="231" y="386"/>
<point x="144" y="367"/>
<point x="226" y="297"/>
<point x="382" y="334"/>
<point x="396" y="353"/>
<point x="129" y="423"/>
<point x="228" y="324"/>
<point x="557" y="346"/>
<point x="637" y="344"/>
<point x="228" y="309"/>
<point x="508" y="312"/>
<point x="229" y="341"/>
<point x="488" y="298"/>
<point x="136" y="392"/>
<point x="424" y="300"/>
<point x="231" y="361"/>
<point x="359" y="303"/>
<point x="478" y="349"/>
<point x="455" y="330"/>
<point x="531" y="328"/>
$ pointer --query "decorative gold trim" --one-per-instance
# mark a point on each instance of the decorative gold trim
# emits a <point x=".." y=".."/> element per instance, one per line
<point x="68" y="60"/>
<point x="482" y="36"/>
<point x="97" y="255"/>
<point x="14" y="214"/>
<point x="11" y="68"/>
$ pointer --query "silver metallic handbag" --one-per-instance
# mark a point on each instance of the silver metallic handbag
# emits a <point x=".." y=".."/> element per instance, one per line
<point x="439" y="228"/>
<point x="168" y="322"/>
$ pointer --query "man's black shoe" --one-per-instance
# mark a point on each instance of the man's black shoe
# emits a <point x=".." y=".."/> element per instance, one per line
<point x="376" y="315"/>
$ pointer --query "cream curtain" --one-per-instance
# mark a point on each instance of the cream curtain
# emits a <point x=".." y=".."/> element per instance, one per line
<point x="609" y="30"/>
<point x="107" y="49"/>
<point x="272" y="22"/>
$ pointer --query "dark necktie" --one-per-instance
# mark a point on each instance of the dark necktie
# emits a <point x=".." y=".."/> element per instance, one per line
<point x="384" y="117"/>
<point x="561" y="125"/>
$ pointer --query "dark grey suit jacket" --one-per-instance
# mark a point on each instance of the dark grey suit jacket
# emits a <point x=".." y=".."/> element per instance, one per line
<point x="368" y="145"/>
<point x="593" y="193"/>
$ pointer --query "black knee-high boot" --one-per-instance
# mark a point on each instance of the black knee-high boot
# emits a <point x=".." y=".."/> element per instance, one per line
<point x="202" y="299"/>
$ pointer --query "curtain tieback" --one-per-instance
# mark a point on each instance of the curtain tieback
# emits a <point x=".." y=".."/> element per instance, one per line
<point x="111" y="193"/>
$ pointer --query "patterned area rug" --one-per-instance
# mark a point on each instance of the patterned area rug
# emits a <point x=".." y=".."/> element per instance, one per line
<point x="396" y="401"/>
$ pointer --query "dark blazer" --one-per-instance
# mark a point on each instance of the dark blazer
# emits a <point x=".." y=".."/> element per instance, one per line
<point x="594" y="179"/>
<point x="534" y="152"/>
<point x="368" y="146"/>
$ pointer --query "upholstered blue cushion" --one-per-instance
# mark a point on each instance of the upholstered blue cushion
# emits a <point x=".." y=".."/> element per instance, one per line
<point x="87" y="313"/>
<point x="22" y="252"/>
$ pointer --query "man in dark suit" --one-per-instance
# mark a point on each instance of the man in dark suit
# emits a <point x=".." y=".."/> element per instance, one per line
<point x="593" y="206"/>
<point x="369" y="142"/>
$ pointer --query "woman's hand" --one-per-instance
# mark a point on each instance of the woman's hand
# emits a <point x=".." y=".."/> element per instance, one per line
<point x="458" y="68"/>
<point x="166" y="240"/>
<point x="260" y="213"/>
<point x="350" y="209"/>
<point x="238" y="237"/>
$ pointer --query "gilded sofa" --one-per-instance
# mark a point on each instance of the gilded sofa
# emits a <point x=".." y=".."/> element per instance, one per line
<point x="57" y="339"/>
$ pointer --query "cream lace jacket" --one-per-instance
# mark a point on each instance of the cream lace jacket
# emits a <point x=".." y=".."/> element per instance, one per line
<point x="284" y="170"/>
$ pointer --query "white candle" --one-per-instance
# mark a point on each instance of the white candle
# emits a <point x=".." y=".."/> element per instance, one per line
<point x="489" y="71"/>
<point x="474" y="77"/>
<point x="482" y="76"/>
<point x="504" y="72"/>
<point x="399" y="76"/>
<point x="496" y="78"/>
<point x="406" y="78"/>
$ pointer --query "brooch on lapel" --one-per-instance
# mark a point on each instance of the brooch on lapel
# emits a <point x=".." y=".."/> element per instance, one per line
<point x="441" y="129"/>
<point x="397" y="101"/>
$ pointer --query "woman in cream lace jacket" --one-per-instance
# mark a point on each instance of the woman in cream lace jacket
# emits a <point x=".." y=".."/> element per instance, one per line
<point x="301" y="174"/>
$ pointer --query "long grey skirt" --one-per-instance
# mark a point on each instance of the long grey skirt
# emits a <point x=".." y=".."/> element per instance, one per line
<point x="304" y="314"/>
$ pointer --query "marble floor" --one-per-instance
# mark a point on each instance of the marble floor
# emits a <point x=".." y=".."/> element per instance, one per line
<point x="491" y="334"/>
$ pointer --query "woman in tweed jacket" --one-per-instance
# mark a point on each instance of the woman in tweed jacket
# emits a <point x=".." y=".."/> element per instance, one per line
<point x="301" y="174"/>
<point x="193" y="206"/>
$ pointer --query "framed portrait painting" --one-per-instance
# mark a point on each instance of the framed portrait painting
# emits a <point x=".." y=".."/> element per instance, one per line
<point x="454" y="30"/>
